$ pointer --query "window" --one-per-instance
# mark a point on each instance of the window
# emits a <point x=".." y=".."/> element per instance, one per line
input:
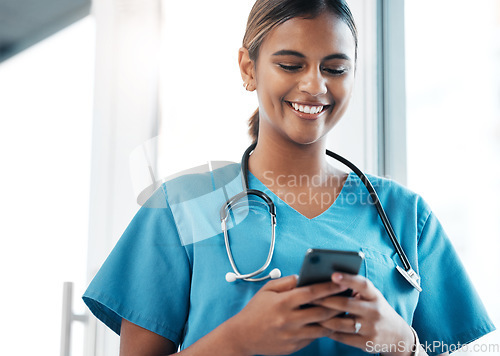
<point x="45" y="140"/>
<point x="204" y="107"/>
<point x="453" y="129"/>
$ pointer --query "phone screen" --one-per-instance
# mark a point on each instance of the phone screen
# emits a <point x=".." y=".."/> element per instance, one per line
<point x="319" y="264"/>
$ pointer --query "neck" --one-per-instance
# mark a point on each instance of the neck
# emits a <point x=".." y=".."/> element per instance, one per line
<point x="272" y="159"/>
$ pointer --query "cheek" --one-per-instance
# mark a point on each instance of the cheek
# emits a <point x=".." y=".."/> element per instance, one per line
<point x="271" y="90"/>
<point x="342" y="90"/>
<point x="341" y="93"/>
<point x="272" y="81"/>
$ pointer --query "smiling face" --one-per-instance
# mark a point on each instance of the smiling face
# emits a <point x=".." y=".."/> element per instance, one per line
<point x="304" y="77"/>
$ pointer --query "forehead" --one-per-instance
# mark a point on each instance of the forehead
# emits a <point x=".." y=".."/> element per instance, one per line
<point x="319" y="36"/>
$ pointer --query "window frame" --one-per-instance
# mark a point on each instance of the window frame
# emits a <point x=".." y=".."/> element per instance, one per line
<point x="392" y="160"/>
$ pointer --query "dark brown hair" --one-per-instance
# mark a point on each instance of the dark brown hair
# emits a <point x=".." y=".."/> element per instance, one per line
<point x="268" y="14"/>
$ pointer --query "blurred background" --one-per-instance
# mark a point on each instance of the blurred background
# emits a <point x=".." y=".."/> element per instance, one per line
<point x="100" y="100"/>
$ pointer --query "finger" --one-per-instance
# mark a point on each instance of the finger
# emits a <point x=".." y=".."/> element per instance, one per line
<point x="344" y="325"/>
<point x="359" y="284"/>
<point x="281" y="284"/>
<point x="313" y="315"/>
<point x="346" y="304"/>
<point x="313" y="332"/>
<point x="355" y="340"/>
<point x="304" y="295"/>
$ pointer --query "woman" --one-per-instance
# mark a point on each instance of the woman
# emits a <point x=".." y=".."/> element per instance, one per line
<point x="159" y="292"/>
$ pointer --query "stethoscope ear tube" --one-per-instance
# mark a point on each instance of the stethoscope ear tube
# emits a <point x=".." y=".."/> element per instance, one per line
<point x="244" y="164"/>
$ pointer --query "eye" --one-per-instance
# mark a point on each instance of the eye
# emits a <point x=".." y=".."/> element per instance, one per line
<point x="289" y="68"/>
<point x="336" y="71"/>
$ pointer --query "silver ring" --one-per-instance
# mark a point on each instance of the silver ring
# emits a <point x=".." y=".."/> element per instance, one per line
<point x="357" y="326"/>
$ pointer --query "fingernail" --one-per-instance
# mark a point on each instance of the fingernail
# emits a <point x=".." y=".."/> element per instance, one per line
<point x="337" y="277"/>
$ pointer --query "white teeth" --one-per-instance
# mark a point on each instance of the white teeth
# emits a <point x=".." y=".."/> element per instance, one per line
<point x="307" y="109"/>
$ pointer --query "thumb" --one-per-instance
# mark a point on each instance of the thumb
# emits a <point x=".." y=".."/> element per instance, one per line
<point x="281" y="284"/>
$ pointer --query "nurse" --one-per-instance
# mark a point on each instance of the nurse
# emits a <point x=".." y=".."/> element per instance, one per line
<point x="162" y="290"/>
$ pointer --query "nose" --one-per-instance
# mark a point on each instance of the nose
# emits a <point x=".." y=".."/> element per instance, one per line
<point x="313" y="82"/>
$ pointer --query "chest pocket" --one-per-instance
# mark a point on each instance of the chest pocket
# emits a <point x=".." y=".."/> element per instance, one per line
<point x="381" y="271"/>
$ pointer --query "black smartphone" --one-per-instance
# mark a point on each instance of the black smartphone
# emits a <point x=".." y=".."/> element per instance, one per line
<point x="319" y="265"/>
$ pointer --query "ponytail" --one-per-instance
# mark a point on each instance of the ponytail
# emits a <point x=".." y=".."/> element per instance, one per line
<point x="253" y="125"/>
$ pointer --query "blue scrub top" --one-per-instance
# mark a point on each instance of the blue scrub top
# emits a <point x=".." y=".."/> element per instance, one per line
<point x="167" y="271"/>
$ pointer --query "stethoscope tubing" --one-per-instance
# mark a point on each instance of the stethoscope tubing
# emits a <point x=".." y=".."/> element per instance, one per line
<point x="408" y="273"/>
<point x="378" y="206"/>
<point x="224" y="213"/>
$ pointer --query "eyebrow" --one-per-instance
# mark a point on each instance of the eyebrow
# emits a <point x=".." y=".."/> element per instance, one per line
<point x="287" y="52"/>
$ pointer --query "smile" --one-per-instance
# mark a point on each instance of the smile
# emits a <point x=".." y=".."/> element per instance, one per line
<point x="308" y="111"/>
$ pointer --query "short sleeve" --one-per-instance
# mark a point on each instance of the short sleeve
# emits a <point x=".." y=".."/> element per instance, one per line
<point x="449" y="312"/>
<point x="146" y="277"/>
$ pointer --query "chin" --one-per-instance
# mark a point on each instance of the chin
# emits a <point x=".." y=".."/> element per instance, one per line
<point x="301" y="138"/>
<point x="307" y="135"/>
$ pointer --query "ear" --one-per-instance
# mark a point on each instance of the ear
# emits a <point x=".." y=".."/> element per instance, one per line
<point x="247" y="68"/>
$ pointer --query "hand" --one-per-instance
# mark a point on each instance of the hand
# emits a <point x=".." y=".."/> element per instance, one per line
<point x="380" y="323"/>
<point x="273" y="323"/>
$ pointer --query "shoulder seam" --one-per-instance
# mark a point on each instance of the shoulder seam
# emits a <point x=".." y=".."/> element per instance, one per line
<point x="177" y="230"/>
<point x="423" y="227"/>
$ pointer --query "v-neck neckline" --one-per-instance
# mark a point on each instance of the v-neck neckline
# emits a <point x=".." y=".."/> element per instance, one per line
<point x="254" y="180"/>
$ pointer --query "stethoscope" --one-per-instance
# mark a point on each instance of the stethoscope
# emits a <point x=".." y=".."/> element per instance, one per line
<point x="407" y="271"/>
